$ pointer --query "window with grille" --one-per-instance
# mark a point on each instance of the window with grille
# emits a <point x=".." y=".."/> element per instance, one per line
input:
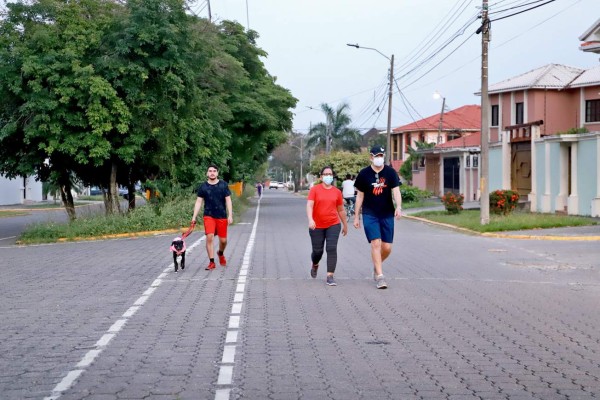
<point x="519" y="111"/>
<point x="495" y="114"/>
<point x="592" y="111"/>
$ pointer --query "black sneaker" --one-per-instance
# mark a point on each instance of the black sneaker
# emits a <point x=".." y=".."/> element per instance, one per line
<point x="331" y="281"/>
<point x="313" y="270"/>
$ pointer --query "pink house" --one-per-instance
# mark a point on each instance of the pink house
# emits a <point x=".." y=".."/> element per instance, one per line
<point x="436" y="173"/>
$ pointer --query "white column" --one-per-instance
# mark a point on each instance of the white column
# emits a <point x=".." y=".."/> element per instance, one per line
<point x="471" y="183"/>
<point x="462" y="180"/>
<point x="535" y="134"/>
<point x="573" y="201"/>
<point x="441" y="172"/>
<point x="546" y="198"/>
<point x="581" y="107"/>
<point x="506" y="165"/>
<point x="596" y="201"/>
<point x="563" y="168"/>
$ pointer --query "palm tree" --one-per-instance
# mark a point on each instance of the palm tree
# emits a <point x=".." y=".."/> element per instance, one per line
<point x="335" y="132"/>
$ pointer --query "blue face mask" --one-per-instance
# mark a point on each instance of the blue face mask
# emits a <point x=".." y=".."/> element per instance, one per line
<point x="328" y="179"/>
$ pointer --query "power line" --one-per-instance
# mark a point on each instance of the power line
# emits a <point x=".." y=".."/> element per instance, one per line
<point x="514" y="7"/>
<point x="422" y="46"/>
<point x="521" y="12"/>
<point x="501" y="44"/>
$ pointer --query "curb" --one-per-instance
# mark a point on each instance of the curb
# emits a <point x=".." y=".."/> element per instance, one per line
<point x="113" y="236"/>
<point x="506" y="236"/>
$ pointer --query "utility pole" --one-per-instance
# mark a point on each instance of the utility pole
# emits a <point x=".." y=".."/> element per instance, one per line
<point x="484" y="200"/>
<point x="209" y="13"/>
<point x="388" y="151"/>
<point x="439" y="138"/>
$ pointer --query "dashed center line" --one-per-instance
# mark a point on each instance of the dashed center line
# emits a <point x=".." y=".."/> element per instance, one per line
<point x="225" y="379"/>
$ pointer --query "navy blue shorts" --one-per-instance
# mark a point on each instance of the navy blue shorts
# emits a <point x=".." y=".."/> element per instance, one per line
<point x="379" y="228"/>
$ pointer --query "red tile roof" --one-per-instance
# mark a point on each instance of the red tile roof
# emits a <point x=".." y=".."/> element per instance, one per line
<point x="471" y="139"/>
<point x="465" y="117"/>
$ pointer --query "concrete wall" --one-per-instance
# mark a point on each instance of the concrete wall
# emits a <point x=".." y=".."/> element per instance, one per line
<point x="11" y="190"/>
<point x="495" y="167"/>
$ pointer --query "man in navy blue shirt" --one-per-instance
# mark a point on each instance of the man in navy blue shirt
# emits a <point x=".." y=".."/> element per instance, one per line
<point x="378" y="188"/>
<point x="218" y="213"/>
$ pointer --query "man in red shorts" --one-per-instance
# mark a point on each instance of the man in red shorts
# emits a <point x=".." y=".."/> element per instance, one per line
<point x="218" y="213"/>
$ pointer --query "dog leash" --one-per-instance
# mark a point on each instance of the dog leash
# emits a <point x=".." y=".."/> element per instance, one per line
<point x="190" y="229"/>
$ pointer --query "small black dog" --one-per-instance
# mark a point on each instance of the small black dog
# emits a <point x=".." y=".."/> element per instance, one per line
<point x="178" y="249"/>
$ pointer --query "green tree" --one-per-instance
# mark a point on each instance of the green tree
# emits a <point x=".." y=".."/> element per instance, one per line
<point x="335" y="133"/>
<point x="65" y="109"/>
<point x="342" y="162"/>
<point x="113" y="93"/>
<point x="260" y="108"/>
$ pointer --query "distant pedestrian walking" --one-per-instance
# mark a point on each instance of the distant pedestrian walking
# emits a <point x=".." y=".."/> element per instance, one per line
<point x="259" y="189"/>
<point x="378" y="187"/>
<point x="218" y="213"/>
<point x="326" y="218"/>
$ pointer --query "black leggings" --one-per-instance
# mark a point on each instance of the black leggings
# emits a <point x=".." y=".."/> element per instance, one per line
<point x="325" y="239"/>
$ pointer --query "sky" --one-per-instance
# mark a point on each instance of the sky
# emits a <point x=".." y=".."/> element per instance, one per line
<point x="307" y="52"/>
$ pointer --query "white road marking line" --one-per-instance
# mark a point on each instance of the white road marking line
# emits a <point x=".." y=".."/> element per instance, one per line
<point x="107" y="337"/>
<point x="88" y="358"/>
<point x="231" y="337"/>
<point x="234" y="322"/>
<point x="116" y="327"/>
<point x="236" y="308"/>
<point x="140" y="301"/>
<point x="129" y="313"/>
<point x="228" y="354"/>
<point x="225" y="375"/>
<point x="222" y="394"/>
<point x="226" y="371"/>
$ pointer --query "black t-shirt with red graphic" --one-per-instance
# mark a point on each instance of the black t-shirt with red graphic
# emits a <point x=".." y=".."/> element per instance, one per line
<point x="377" y="187"/>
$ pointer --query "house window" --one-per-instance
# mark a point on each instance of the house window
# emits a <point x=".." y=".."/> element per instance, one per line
<point x="519" y="111"/>
<point x="475" y="162"/>
<point x="592" y="111"/>
<point x="495" y="115"/>
<point x="468" y="162"/>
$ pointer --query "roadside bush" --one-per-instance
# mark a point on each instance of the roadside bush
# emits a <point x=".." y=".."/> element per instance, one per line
<point x="412" y="194"/>
<point x="453" y="202"/>
<point x="503" y="201"/>
<point x="171" y="212"/>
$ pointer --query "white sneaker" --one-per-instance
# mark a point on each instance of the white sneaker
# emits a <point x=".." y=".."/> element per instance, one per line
<point x="381" y="283"/>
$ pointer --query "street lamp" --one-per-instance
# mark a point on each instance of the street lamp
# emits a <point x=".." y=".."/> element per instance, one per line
<point x="389" y="120"/>
<point x="437" y="96"/>
<point x="301" y="158"/>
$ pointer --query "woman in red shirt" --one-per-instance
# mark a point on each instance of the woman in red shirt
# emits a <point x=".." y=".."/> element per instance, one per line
<point x="326" y="218"/>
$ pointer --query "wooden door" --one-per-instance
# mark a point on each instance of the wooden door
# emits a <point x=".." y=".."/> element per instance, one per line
<point x="432" y="176"/>
<point x="520" y="171"/>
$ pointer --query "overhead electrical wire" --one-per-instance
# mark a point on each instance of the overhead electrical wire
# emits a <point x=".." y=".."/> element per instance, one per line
<point x="521" y="12"/>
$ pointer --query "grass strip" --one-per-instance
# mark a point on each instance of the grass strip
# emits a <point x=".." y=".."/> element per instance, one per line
<point x="516" y="221"/>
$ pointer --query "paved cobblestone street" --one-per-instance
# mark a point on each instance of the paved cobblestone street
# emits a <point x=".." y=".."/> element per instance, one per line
<point x="465" y="317"/>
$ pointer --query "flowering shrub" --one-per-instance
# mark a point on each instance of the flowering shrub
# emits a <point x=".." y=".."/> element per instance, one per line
<point x="453" y="202"/>
<point x="503" y="201"/>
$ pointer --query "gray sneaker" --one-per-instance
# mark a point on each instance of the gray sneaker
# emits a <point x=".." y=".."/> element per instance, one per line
<point x="331" y="281"/>
<point x="381" y="283"/>
<point x="313" y="270"/>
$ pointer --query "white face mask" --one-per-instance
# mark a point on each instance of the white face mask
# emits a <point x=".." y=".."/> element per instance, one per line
<point x="378" y="161"/>
<point x="328" y="179"/>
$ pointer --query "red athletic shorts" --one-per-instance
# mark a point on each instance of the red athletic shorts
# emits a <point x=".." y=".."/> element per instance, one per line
<point x="215" y="226"/>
